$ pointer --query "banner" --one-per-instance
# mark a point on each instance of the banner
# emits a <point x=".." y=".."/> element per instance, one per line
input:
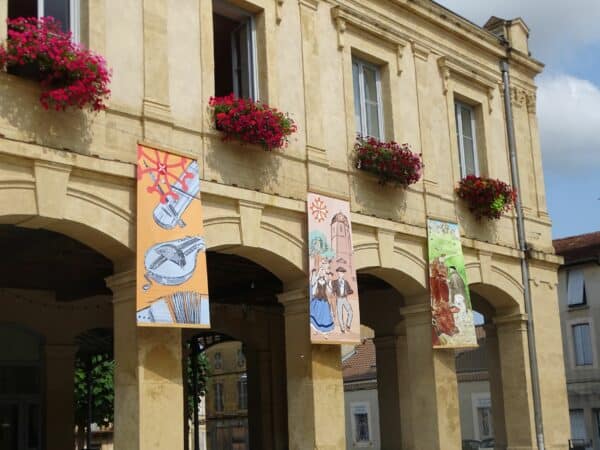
<point x="333" y="289"/>
<point x="452" y="314"/>
<point x="171" y="282"/>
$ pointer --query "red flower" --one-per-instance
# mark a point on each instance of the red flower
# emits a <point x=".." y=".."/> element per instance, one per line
<point x="252" y="122"/>
<point x="486" y="197"/>
<point x="389" y="160"/>
<point x="70" y="74"/>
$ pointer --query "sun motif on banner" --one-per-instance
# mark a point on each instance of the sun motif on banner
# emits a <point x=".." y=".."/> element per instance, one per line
<point x="319" y="210"/>
<point x="163" y="173"/>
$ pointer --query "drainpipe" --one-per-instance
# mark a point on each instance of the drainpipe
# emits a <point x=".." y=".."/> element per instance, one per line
<point x="514" y="168"/>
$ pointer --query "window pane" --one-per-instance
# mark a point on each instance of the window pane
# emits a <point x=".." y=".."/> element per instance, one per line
<point x="577" y="424"/>
<point x="59" y="9"/>
<point x="575" y="287"/>
<point x="362" y="427"/>
<point x="357" y="99"/>
<point x="582" y="344"/>
<point x="468" y="148"/>
<point x="22" y="8"/>
<point x="373" y="120"/>
<point x="244" y="46"/>
<point x="467" y="130"/>
<point x="370" y="76"/>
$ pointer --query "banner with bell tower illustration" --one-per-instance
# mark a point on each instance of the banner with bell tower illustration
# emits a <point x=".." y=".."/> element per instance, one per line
<point x="333" y="288"/>
<point x="171" y="281"/>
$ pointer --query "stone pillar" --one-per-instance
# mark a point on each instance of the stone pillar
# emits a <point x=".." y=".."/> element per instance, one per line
<point x="260" y="414"/>
<point x="60" y="402"/>
<point x="492" y="357"/>
<point x="393" y="392"/>
<point x="516" y="382"/>
<point x="148" y="377"/>
<point x="433" y="385"/>
<point x="315" y="387"/>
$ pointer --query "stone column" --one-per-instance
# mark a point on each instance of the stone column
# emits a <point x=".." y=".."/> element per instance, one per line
<point x="60" y="402"/>
<point x="492" y="357"/>
<point x="393" y="392"/>
<point x="148" y="377"/>
<point x="516" y="382"/>
<point x="315" y="387"/>
<point x="433" y="385"/>
<point x="260" y="414"/>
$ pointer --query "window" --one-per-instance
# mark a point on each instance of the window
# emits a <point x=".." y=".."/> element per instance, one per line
<point x="577" y="424"/>
<point x="583" y="344"/>
<point x="234" y="37"/>
<point x="575" y="287"/>
<point x="484" y="418"/>
<point x="243" y="392"/>
<point x="66" y="11"/>
<point x="360" y="418"/>
<point x="218" y="360"/>
<point x="368" y="108"/>
<point x="219" y="397"/>
<point x="467" y="140"/>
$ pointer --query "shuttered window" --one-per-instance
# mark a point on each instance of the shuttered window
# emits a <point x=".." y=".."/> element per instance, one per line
<point x="583" y="344"/>
<point x="575" y="287"/>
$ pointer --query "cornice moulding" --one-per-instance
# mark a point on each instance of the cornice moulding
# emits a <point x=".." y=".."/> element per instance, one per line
<point x="451" y="68"/>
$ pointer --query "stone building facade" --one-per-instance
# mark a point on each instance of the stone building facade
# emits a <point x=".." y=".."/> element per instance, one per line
<point x="67" y="194"/>
<point x="579" y="303"/>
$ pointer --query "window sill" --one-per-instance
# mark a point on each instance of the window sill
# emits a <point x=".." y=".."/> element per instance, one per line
<point x="578" y="307"/>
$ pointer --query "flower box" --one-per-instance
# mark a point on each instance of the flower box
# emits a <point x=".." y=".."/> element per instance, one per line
<point x="391" y="162"/>
<point x="486" y="197"/>
<point x="252" y="122"/>
<point x="70" y="75"/>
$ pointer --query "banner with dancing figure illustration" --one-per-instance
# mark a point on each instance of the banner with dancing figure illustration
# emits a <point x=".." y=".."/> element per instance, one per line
<point x="171" y="282"/>
<point x="333" y="289"/>
<point x="451" y="310"/>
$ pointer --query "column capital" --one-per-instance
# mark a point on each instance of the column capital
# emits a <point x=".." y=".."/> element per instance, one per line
<point x="122" y="285"/>
<point x="416" y="314"/>
<point x="294" y="301"/>
<point x="517" y="321"/>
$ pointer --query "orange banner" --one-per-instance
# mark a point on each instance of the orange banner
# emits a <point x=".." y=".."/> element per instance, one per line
<point x="172" y="282"/>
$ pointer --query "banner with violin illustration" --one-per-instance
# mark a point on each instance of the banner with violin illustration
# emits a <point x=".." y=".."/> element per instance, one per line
<point x="452" y="313"/>
<point x="333" y="289"/>
<point x="172" y="283"/>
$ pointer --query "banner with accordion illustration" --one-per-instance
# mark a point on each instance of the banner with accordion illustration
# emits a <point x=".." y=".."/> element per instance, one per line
<point x="171" y="282"/>
<point x="333" y="289"/>
<point x="452" y="313"/>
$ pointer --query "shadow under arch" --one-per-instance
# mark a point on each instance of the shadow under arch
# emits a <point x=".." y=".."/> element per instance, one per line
<point x="492" y="301"/>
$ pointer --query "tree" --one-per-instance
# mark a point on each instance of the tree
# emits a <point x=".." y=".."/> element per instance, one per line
<point x="94" y="389"/>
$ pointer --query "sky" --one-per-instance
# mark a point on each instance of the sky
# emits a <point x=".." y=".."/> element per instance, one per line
<point x="565" y="36"/>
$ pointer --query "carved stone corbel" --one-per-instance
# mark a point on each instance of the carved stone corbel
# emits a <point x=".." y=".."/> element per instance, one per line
<point x="401" y="45"/>
<point x="340" y="26"/>
<point x="278" y="11"/>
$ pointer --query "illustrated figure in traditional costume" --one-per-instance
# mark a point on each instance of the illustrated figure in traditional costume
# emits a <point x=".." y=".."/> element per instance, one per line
<point x="458" y="293"/>
<point x="442" y="311"/>
<point x="320" y="312"/>
<point x="341" y="290"/>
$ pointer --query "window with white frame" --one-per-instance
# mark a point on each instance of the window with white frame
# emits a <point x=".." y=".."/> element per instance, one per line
<point x="467" y="139"/>
<point x="582" y="344"/>
<point x="219" y="403"/>
<point x="575" y="287"/>
<point x="360" y="422"/>
<point x="368" y="107"/>
<point x="241" y="359"/>
<point x="65" y="11"/>
<point x="235" y="55"/>
<point x="243" y="392"/>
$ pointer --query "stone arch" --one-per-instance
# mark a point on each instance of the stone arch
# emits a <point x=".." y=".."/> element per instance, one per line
<point x="500" y="290"/>
<point x="271" y="242"/>
<point x="62" y="198"/>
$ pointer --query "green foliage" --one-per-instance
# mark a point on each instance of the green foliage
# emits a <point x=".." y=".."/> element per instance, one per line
<point x="204" y="372"/>
<point x="101" y="368"/>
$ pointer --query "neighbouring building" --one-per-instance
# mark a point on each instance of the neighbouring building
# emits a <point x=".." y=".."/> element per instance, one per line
<point x="579" y="303"/>
<point x="362" y="397"/>
<point x="408" y="71"/>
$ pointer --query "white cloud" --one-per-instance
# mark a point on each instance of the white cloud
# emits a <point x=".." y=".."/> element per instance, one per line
<point x="569" y="120"/>
<point x="555" y="25"/>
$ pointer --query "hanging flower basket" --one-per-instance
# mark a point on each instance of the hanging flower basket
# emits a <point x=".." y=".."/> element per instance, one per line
<point x="70" y="75"/>
<point x="486" y="197"/>
<point x="252" y="122"/>
<point x="390" y="161"/>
